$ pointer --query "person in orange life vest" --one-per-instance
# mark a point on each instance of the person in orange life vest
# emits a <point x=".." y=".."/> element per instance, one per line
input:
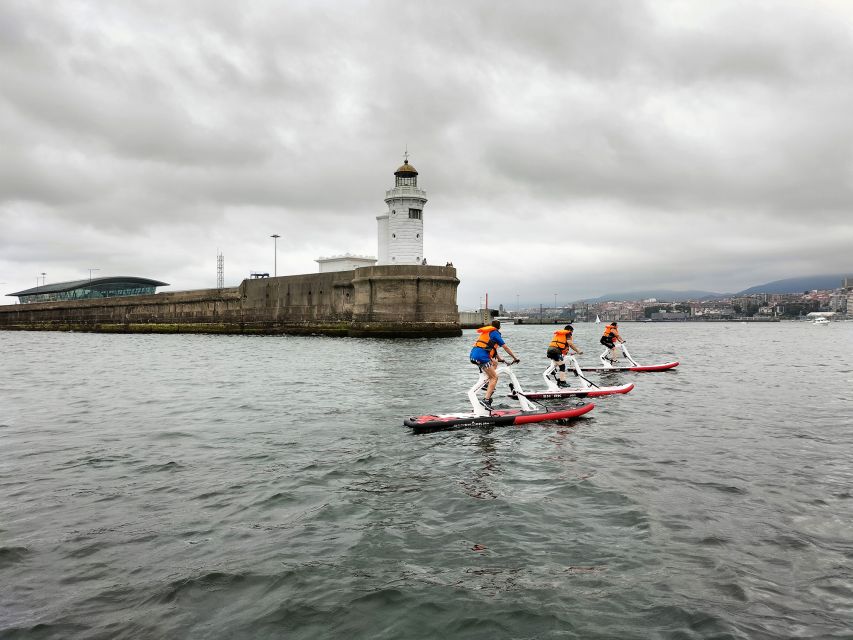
<point x="559" y="347"/>
<point x="610" y="338"/>
<point x="484" y="354"/>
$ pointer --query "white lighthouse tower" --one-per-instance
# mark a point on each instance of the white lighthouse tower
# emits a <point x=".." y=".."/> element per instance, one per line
<point x="401" y="229"/>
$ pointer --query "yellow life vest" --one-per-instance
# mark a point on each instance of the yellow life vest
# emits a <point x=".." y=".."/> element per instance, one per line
<point x="484" y="342"/>
<point x="611" y="332"/>
<point x="561" y="340"/>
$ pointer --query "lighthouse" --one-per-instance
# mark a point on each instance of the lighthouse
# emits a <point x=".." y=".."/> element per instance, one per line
<point x="401" y="227"/>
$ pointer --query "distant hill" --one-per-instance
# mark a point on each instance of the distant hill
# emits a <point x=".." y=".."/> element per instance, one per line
<point x="666" y="295"/>
<point x="796" y="285"/>
<point x="789" y="285"/>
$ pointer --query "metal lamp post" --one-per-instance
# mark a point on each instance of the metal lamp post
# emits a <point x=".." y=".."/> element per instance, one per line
<point x="90" y="273"/>
<point x="275" y="238"/>
<point x="556" y="315"/>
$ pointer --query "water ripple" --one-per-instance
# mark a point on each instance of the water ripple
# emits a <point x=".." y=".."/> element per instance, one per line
<point x="213" y="487"/>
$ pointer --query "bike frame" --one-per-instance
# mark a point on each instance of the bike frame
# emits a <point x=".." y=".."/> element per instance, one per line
<point x="609" y="365"/>
<point x="571" y="362"/>
<point x="502" y="369"/>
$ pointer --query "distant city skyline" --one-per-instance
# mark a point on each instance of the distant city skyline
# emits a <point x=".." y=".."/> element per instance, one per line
<point x="785" y="286"/>
<point x="568" y="147"/>
<point x="835" y="302"/>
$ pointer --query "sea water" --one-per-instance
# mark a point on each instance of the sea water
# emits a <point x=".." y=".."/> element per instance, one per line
<point x="188" y="486"/>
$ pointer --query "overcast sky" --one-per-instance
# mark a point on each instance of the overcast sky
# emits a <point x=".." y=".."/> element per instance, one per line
<point x="575" y="148"/>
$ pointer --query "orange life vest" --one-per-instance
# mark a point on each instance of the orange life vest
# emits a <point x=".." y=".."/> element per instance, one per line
<point x="561" y="340"/>
<point x="484" y="342"/>
<point x="611" y="332"/>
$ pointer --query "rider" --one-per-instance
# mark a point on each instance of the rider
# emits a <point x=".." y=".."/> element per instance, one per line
<point x="610" y="338"/>
<point x="559" y="347"/>
<point x="485" y="355"/>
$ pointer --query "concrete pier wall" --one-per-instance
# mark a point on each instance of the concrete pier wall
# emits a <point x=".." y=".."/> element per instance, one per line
<point x="474" y="319"/>
<point x="386" y="301"/>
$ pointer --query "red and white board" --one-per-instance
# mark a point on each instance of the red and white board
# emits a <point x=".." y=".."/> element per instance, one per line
<point x="498" y="417"/>
<point x="576" y="392"/>
<point x="645" y="367"/>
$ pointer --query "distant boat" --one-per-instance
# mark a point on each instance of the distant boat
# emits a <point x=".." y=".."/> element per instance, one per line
<point x="821" y="320"/>
<point x="597" y="319"/>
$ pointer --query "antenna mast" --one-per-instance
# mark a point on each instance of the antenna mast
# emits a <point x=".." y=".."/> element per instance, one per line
<point x="220" y="270"/>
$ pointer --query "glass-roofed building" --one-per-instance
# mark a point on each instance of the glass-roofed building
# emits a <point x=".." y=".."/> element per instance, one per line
<point x="88" y="289"/>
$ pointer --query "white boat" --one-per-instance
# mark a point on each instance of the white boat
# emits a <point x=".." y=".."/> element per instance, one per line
<point x="821" y="320"/>
<point x="597" y="319"/>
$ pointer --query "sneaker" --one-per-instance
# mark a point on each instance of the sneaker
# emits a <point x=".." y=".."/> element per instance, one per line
<point x="562" y="383"/>
<point x="487" y="402"/>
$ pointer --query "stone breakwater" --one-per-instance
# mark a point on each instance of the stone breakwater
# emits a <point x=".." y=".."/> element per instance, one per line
<point x="387" y="301"/>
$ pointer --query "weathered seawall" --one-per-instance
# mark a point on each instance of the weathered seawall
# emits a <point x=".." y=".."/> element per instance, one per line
<point x="386" y="301"/>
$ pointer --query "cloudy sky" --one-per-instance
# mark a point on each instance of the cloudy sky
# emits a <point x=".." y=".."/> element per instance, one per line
<point x="566" y="147"/>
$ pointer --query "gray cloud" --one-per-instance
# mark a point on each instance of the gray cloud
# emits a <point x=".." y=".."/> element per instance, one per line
<point x="608" y="145"/>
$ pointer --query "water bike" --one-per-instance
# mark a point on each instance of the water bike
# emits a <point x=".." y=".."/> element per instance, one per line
<point x="585" y="389"/>
<point x="484" y="416"/>
<point x="607" y="365"/>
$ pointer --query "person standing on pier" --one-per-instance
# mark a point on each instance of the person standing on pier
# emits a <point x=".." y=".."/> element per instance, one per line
<point x="610" y="338"/>
<point x="484" y="354"/>
<point x="560" y="345"/>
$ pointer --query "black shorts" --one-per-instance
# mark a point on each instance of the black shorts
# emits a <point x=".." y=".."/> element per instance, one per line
<point x="554" y="354"/>
<point x="607" y="342"/>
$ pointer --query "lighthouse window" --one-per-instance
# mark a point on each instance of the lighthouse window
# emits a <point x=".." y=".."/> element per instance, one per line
<point x="415" y="214"/>
<point x="393" y="235"/>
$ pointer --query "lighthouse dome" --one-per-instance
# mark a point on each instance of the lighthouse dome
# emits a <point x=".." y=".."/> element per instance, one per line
<point x="406" y="170"/>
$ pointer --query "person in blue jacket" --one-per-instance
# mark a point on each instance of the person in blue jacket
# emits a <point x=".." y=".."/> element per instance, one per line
<point x="484" y="354"/>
